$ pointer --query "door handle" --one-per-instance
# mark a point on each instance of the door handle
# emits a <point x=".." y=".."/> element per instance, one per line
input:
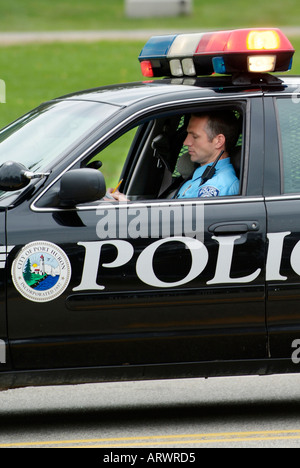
<point x="235" y="227"/>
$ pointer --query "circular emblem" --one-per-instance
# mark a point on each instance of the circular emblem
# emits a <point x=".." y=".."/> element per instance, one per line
<point x="41" y="272"/>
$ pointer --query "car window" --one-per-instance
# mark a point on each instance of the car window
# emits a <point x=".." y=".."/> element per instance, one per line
<point x="164" y="164"/>
<point x="40" y="137"/>
<point x="289" y="125"/>
<point x="154" y="159"/>
<point x="113" y="157"/>
<point x="150" y="159"/>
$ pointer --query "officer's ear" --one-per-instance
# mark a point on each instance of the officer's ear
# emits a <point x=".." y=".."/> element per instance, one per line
<point x="219" y="141"/>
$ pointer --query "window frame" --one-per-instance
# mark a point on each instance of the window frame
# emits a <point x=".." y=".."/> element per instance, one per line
<point x="151" y="114"/>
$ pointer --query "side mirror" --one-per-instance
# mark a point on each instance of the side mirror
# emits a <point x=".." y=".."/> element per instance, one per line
<point x="15" y="176"/>
<point x="12" y="176"/>
<point x="81" y="186"/>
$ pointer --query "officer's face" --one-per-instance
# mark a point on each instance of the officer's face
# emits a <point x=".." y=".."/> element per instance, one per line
<point x="201" y="150"/>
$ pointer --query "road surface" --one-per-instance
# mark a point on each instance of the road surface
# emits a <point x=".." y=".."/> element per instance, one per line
<point x="181" y="414"/>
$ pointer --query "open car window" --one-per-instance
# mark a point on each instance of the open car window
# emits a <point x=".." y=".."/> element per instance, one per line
<point x="150" y="161"/>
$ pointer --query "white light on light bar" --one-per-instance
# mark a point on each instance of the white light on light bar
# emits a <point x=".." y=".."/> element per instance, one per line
<point x="188" y="67"/>
<point x="176" y="68"/>
<point x="261" y="63"/>
<point x="184" y="45"/>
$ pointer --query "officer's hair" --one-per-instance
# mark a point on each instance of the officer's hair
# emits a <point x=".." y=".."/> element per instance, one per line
<point x="222" y="122"/>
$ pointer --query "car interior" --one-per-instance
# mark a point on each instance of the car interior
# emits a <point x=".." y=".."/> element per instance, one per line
<point x="160" y="154"/>
<point x="154" y="162"/>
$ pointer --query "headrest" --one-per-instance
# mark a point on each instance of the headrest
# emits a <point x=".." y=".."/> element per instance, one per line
<point x="185" y="166"/>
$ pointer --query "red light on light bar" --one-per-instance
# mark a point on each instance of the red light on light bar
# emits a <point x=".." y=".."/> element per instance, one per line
<point x="243" y="40"/>
<point x="147" y="69"/>
<point x="212" y="42"/>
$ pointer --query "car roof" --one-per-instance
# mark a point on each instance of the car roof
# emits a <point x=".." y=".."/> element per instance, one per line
<point x="128" y="93"/>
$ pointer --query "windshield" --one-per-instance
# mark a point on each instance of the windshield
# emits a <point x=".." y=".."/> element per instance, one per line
<point x="40" y="137"/>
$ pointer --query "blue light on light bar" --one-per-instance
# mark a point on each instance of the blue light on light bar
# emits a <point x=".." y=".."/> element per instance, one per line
<point x="219" y="65"/>
<point x="157" y="47"/>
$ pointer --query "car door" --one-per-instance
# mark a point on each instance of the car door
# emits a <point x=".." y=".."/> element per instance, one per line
<point x="133" y="287"/>
<point x="283" y="204"/>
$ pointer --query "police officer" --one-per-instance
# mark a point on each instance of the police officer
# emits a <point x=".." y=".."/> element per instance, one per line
<point x="210" y="138"/>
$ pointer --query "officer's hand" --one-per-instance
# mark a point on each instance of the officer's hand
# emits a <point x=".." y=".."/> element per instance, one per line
<point x="118" y="196"/>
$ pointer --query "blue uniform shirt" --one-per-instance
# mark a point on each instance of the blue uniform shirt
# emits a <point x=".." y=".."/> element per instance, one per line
<point x="224" y="182"/>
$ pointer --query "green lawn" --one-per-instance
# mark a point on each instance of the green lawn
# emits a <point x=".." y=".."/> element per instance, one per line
<point x="36" y="73"/>
<point x="39" y="15"/>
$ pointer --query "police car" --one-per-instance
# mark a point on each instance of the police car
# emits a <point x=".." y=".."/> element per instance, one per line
<point x="154" y="286"/>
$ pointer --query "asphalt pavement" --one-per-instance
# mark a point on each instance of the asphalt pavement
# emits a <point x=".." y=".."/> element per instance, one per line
<point x="231" y="412"/>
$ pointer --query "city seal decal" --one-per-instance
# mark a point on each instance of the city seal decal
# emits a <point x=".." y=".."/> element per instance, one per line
<point x="41" y="272"/>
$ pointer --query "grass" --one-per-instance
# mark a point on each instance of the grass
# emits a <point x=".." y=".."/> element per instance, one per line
<point x="36" y="73"/>
<point x="41" y="15"/>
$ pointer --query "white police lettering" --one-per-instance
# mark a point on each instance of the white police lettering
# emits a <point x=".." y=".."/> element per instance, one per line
<point x="145" y="261"/>
<point x="274" y="256"/>
<point x="92" y="258"/>
<point x="144" y="266"/>
<point x="295" y="259"/>
<point x="223" y="267"/>
<point x="199" y="259"/>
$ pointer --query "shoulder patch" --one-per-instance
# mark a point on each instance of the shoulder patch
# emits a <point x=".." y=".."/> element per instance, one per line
<point x="208" y="191"/>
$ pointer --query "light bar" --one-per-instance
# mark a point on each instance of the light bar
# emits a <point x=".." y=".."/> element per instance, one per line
<point x="224" y="52"/>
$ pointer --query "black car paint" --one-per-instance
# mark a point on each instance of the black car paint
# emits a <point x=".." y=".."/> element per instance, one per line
<point x="131" y="331"/>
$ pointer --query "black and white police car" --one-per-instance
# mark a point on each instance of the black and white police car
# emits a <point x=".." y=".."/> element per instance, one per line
<point x="155" y="286"/>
